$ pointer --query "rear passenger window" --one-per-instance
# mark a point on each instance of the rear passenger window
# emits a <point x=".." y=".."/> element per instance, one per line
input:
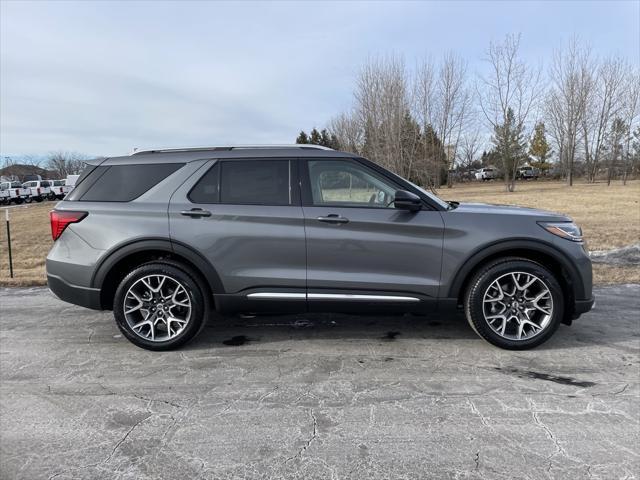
<point x="255" y="182"/>
<point x="245" y="182"/>
<point x="121" y="183"/>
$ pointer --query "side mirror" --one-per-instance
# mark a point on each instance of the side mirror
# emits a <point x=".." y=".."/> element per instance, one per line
<point x="407" y="201"/>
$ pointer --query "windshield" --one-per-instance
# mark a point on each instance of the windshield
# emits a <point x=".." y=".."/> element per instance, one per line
<point x="433" y="197"/>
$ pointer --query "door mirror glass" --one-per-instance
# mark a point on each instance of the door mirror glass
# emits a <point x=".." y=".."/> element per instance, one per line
<point x="407" y="201"/>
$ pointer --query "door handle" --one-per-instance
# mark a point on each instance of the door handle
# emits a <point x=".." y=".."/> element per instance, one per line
<point x="333" y="218"/>
<point x="196" y="213"/>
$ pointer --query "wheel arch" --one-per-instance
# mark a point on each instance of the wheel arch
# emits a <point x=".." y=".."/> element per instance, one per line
<point x="537" y="251"/>
<point x="123" y="258"/>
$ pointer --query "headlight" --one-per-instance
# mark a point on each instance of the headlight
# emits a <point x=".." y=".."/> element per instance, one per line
<point x="566" y="230"/>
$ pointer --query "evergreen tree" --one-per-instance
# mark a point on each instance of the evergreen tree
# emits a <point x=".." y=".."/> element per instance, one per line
<point x="510" y="147"/>
<point x="539" y="147"/>
<point x="302" y="138"/>
<point x="315" y="138"/>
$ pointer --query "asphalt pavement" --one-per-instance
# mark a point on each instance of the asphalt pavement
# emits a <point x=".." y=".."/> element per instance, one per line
<point x="317" y="397"/>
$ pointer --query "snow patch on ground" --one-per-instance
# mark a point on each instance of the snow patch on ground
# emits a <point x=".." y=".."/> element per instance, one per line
<point x="629" y="255"/>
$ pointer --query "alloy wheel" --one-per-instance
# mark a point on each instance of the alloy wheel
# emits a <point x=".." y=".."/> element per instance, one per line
<point x="157" y="308"/>
<point x="518" y="306"/>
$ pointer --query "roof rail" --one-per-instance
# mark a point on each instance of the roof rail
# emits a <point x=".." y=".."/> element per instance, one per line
<point x="228" y="148"/>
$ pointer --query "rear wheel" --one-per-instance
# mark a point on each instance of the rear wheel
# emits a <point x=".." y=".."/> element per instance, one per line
<point x="514" y="303"/>
<point x="160" y="306"/>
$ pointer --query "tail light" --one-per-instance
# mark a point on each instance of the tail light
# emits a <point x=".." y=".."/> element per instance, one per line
<point x="17" y="194"/>
<point x="60" y="219"/>
<point x="38" y="191"/>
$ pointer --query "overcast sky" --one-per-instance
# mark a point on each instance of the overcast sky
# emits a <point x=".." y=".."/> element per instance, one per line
<point x="104" y="77"/>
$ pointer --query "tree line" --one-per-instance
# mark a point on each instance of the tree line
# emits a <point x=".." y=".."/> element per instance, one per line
<point x="437" y="120"/>
<point x="57" y="164"/>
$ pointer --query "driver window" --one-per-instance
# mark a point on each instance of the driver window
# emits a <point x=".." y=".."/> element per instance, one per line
<point x="350" y="184"/>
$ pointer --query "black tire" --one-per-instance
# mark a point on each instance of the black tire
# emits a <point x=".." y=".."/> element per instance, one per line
<point x="26" y="200"/>
<point x="474" y="301"/>
<point x="197" y="292"/>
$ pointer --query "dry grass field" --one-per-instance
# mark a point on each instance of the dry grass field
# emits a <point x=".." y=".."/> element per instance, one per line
<point x="610" y="217"/>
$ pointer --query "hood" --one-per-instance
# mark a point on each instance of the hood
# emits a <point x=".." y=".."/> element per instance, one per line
<point x="486" y="208"/>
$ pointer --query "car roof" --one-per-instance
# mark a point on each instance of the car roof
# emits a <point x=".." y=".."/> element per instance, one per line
<point x="185" y="155"/>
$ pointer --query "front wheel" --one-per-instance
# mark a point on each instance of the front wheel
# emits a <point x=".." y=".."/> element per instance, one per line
<point x="514" y="303"/>
<point x="160" y="306"/>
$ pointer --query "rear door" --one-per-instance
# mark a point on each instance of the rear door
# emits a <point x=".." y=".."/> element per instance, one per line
<point x="359" y="247"/>
<point x="245" y="218"/>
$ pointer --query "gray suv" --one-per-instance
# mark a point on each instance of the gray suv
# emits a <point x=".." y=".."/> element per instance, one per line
<point x="165" y="238"/>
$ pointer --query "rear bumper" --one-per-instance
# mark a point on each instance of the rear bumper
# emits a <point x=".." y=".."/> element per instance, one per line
<point x="83" y="296"/>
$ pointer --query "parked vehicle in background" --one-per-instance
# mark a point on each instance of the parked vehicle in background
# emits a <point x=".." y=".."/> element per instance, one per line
<point x="58" y="189"/>
<point x="31" y="178"/>
<point x="13" y="192"/>
<point x="70" y="182"/>
<point x="486" y="174"/>
<point x="164" y="238"/>
<point x="528" y="173"/>
<point x="39" y="190"/>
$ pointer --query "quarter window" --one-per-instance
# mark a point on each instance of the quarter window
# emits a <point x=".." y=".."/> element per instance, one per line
<point x="121" y="183"/>
<point x="207" y="190"/>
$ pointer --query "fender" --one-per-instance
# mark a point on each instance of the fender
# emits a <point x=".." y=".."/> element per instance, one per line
<point x="162" y="244"/>
<point x="482" y="253"/>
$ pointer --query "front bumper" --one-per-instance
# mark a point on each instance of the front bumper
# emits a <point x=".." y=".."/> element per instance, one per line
<point x="583" y="306"/>
<point x="83" y="296"/>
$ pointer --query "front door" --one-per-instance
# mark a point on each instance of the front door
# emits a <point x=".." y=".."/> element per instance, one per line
<point x="360" y="249"/>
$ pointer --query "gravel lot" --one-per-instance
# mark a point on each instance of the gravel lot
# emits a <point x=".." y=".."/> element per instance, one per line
<point x="317" y="397"/>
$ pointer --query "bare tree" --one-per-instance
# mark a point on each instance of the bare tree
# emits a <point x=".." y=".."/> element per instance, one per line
<point x="452" y="103"/>
<point x="603" y="105"/>
<point x="567" y="100"/>
<point x="512" y="86"/>
<point x="424" y="95"/>
<point x="470" y="146"/>
<point x="630" y="115"/>
<point x="65" y="163"/>
<point x="383" y="103"/>
<point x="349" y="132"/>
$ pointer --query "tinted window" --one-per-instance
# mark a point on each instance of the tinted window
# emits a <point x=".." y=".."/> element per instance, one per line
<point x="207" y="190"/>
<point x="258" y="182"/>
<point x="121" y="183"/>
<point x="350" y="184"/>
<point x="45" y="184"/>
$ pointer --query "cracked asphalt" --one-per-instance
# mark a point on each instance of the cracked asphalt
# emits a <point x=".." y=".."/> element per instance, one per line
<point x="317" y="397"/>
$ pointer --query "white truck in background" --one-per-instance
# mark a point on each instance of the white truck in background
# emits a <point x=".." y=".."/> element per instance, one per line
<point x="58" y="189"/>
<point x="12" y="191"/>
<point x="70" y="182"/>
<point x="487" y="173"/>
<point x="39" y="190"/>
